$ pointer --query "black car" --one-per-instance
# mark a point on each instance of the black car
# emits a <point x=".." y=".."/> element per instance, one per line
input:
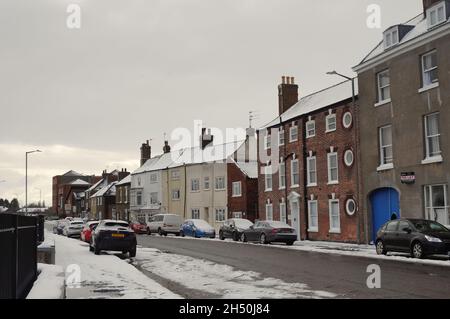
<point x="233" y="228"/>
<point x="115" y="236"/>
<point x="266" y="232"/>
<point x="418" y="237"/>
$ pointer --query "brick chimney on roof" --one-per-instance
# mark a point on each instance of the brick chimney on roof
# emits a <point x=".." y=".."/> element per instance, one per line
<point x="146" y="152"/>
<point x="166" y="148"/>
<point x="287" y="94"/>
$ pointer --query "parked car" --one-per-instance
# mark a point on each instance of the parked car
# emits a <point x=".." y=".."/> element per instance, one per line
<point x="113" y="235"/>
<point x="164" y="224"/>
<point x="197" y="228"/>
<point x="233" y="228"/>
<point x="139" y="227"/>
<point x="86" y="232"/>
<point x="59" y="227"/>
<point x="418" y="237"/>
<point x="73" y="228"/>
<point x="266" y="232"/>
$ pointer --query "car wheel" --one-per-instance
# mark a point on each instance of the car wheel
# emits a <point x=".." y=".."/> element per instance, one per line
<point x="133" y="252"/>
<point x="290" y="243"/>
<point x="97" y="250"/>
<point x="181" y="233"/>
<point x="90" y="247"/>
<point x="417" y="250"/>
<point x="381" y="250"/>
<point x="148" y="231"/>
<point x="235" y="236"/>
<point x="263" y="239"/>
<point x="221" y="237"/>
<point x="243" y="238"/>
<point x="160" y="232"/>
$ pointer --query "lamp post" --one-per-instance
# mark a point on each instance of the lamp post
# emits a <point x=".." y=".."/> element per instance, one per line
<point x="26" y="177"/>
<point x="357" y="134"/>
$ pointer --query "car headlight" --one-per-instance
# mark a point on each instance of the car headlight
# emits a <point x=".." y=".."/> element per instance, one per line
<point x="433" y="239"/>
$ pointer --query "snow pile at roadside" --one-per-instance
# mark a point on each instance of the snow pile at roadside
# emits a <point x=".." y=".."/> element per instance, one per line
<point x="104" y="276"/>
<point x="50" y="283"/>
<point x="221" y="280"/>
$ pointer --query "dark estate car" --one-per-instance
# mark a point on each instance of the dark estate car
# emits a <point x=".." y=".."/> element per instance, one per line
<point x="233" y="228"/>
<point x="416" y="236"/>
<point x="113" y="235"/>
<point x="266" y="232"/>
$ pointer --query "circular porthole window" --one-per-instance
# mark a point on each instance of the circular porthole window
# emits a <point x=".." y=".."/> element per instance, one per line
<point x="347" y="120"/>
<point x="349" y="158"/>
<point x="350" y="207"/>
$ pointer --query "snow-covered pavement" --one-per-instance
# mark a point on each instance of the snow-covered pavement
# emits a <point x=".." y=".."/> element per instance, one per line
<point x="220" y="280"/>
<point x="103" y="276"/>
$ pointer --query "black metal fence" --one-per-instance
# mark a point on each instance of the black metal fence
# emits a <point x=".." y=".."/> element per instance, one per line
<point x="18" y="254"/>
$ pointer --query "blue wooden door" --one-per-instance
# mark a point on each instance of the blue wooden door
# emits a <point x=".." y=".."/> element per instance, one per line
<point x="385" y="207"/>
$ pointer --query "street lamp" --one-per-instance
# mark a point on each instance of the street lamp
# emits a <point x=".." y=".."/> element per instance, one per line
<point x="26" y="177"/>
<point x="357" y="132"/>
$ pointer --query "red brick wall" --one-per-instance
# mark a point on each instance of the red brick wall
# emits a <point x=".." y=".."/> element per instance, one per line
<point x="342" y="139"/>
<point x="248" y="202"/>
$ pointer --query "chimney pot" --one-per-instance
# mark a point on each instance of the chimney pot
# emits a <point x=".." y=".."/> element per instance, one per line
<point x="292" y="80"/>
<point x="283" y="80"/>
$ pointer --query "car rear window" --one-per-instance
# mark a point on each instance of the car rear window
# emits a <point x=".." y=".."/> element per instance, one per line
<point x="113" y="224"/>
<point x="243" y="223"/>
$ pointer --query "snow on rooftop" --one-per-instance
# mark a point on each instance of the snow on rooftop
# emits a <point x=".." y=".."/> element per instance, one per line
<point x="109" y="189"/>
<point x="248" y="168"/>
<point x="316" y="101"/>
<point x="72" y="173"/>
<point x="80" y="182"/>
<point x="96" y="185"/>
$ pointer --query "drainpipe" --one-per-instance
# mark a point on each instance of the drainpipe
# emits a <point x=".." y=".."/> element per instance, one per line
<point x="185" y="191"/>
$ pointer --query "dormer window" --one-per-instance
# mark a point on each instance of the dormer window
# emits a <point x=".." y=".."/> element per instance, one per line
<point x="391" y="37"/>
<point x="436" y="14"/>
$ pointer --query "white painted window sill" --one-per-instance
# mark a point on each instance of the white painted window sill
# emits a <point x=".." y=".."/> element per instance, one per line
<point x="429" y="87"/>
<point x="330" y="131"/>
<point x="282" y="188"/>
<point x="295" y="186"/>
<point x="268" y="190"/>
<point x="312" y="185"/>
<point x="333" y="183"/>
<point x="385" y="167"/>
<point x="383" y="102"/>
<point x="311" y="136"/>
<point x="236" y="196"/>
<point x="313" y="230"/>
<point x="335" y="231"/>
<point x="432" y="160"/>
<point x="293" y="141"/>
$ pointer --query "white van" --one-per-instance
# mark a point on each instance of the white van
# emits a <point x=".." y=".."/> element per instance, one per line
<point x="164" y="224"/>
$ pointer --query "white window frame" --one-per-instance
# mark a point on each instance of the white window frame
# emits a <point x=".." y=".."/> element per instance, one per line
<point x="429" y="158"/>
<point x="175" y="175"/>
<point x="433" y="84"/>
<point x="220" y="184"/>
<point x="269" y="208"/>
<point x="139" y="196"/>
<point x="333" y="228"/>
<point x="347" y="163"/>
<point x="313" y="228"/>
<point x="176" y="191"/>
<point x="429" y="206"/>
<point x="435" y="10"/>
<point x="295" y="164"/>
<point x="153" y="178"/>
<point x="268" y="177"/>
<point x="327" y="121"/>
<point x="237" y="189"/>
<point x="309" y="171"/>
<point x="195" y="212"/>
<point x="350" y="115"/>
<point x="195" y="182"/>
<point x="206" y="183"/>
<point x="220" y="215"/>
<point x="154" y="199"/>
<point x="293" y="137"/>
<point x="281" y="137"/>
<point x="391" y="37"/>
<point x="310" y="132"/>
<point x="330" y="180"/>
<point x="237" y="215"/>
<point x="283" y="212"/>
<point x="347" y="207"/>
<point x="380" y="88"/>
<point x="282" y="175"/>
<point x="383" y="163"/>
<point x="267" y="142"/>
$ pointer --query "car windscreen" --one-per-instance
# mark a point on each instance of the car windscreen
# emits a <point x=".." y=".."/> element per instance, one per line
<point x="428" y="225"/>
<point x="114" y="224"/>
<point x="243" y="223"/>
<point x="278" y="225"/>
<point x="201" y="223"/>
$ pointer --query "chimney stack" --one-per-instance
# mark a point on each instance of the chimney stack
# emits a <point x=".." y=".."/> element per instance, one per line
<point x="206" y="138"/>
<point x="146" y="152"/>
<point x="287" y="94"/>
<point x="166" y="148"/>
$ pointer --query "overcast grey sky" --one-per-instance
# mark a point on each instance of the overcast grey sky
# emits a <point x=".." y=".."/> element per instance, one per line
<point x="139" y="68"/>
